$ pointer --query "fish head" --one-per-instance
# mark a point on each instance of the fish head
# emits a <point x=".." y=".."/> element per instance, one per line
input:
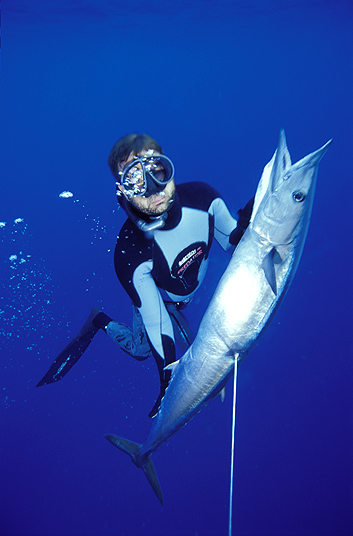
<point x="285" y="195"/>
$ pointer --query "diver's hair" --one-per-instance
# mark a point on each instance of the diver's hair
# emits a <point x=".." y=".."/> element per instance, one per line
<point x="131" y="143"/>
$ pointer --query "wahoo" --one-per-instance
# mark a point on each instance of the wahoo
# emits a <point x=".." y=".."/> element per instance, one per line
<point x="245" y="301"/>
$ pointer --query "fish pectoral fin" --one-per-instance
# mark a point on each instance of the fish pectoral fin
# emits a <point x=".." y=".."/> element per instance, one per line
<point x="269" y="270"/>
<point x="172" y="366"/>
<point x="145" y="463"/>
<point x="277" y="259"/>
<point x="222" y="394"/>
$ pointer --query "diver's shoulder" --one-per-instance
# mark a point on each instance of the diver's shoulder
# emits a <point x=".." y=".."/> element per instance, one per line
<point x="131" y="250"/>
<point x="196" y="194"/>
<point x="131" y="237"/>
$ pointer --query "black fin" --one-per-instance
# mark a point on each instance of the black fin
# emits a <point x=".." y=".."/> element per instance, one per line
<point x="72" y="352"/>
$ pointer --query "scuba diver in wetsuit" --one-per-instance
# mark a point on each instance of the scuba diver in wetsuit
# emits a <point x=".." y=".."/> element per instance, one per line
<point x="161" y="256"/>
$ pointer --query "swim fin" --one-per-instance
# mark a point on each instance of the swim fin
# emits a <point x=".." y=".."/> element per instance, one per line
<point x="72" y="352"/>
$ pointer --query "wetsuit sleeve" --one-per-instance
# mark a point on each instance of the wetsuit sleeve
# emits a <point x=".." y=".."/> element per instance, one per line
<point x="227" y="230"/>
<point x="133" y="266"/>
<point x="202" y="196"/>
<point x="153" y="311"/>
<point x="244" y="215"/>
<point x="224" y="223"/>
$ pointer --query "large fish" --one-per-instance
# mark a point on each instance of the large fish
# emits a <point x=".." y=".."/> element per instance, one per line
<point x="244" y="303"/>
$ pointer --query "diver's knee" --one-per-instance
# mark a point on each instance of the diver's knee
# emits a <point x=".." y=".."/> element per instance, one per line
<point x="118" y="332"/>
<point x="122" y="336"/>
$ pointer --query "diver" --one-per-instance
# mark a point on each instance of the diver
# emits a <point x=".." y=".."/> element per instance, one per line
<point x="160" y="258"/>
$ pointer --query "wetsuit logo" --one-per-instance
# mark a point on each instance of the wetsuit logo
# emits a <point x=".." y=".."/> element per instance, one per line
<point x="187" y="264"/>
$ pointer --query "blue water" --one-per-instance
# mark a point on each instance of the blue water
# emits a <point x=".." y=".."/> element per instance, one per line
<point x="213" y="82"/>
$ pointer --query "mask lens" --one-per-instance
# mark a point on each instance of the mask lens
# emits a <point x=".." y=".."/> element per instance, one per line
<point x="160" y="175"/>
<point x="133" y="179"/>
<point x="142" y="172"/>
<point x="160" y="168"/>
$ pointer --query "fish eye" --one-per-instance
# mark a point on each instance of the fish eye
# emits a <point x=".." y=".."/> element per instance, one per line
<point x="298" y="196"/>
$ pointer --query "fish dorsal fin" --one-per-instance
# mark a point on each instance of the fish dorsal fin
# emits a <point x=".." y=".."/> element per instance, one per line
<point x="269" y="270"/>
<point x="273" y="173"/>
<point x="281" y="163"/>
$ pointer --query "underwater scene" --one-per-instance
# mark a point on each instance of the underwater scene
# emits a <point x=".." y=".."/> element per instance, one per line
<point x="214" y="82"/>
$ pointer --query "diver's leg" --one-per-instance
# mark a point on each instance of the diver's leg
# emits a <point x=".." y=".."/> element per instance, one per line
<point x="164" y="376"/>
<point x="72" y="351"/>
<point x="182" y="332"/>
<point x="133" y="341"/>
<point x="164" y="373"/>
<point x="183" y="336"/>
<point x="140" y="338"/>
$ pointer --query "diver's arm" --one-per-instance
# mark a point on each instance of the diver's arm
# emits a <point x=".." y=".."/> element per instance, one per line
<point x="244" y="215"/>
<point x="224" y="223"/>
<point x="133" y="266"/>
<point x="155" y="317"/>
<point x="227" y="230"/>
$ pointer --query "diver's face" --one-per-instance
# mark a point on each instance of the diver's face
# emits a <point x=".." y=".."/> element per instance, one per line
<point x="155" y="204"/>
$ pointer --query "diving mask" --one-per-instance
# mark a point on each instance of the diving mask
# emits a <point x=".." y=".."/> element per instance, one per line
<point x="147" y="174"/>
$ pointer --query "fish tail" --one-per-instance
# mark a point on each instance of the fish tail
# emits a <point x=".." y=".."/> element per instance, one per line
<point x="133" y="450"/>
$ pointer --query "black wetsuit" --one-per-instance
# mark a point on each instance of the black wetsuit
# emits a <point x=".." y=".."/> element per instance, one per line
<point x="171" y="265"/>
<point x="158" y="273"/>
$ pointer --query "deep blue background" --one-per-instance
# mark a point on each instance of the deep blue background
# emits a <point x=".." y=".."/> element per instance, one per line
<point x="213" y="82"/>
